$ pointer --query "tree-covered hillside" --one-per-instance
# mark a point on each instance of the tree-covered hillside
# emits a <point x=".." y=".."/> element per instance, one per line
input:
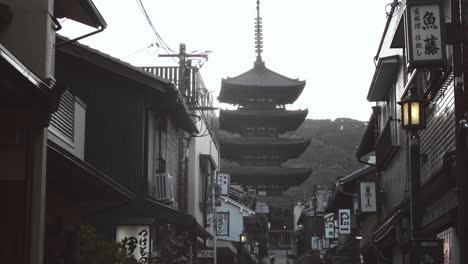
<point x="331" y="153"/>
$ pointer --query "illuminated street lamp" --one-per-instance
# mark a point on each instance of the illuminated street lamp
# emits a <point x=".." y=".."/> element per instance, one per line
<point x="412" y="113"/>
<point x="243" y="237"/>
<point x="413" y="120"/>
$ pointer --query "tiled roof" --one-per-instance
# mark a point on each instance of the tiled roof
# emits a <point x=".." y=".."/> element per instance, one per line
<point x="280" y="119"/>
<point x="265" y="141"/>
<point x="261" y="76"/>
<point x="270" y="176"/>
<point x="262" y="114"/>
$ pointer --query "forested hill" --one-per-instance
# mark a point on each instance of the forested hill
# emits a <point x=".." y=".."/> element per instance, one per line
<point x="331" y="153"/>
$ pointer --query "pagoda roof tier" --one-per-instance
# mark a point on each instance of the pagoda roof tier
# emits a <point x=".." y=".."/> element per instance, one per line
<point x="260" y="85"/>
<point x="280" y="120"/>
<point x="269" y="176"/>
<point x="281" y="148"/>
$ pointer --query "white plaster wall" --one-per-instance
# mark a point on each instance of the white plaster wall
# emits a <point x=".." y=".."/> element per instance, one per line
<point x="198" y="145"/>
<point x="30" y="36"/>
<point x="297" y="213"/>
<point x="236" y="221"/>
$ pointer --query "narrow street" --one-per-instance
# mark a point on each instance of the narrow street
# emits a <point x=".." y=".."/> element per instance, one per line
<point x="234" y="132"/>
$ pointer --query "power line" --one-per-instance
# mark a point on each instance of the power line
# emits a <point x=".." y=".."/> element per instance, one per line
<point x="145" y="14"/>
<point x="140" y="50"/>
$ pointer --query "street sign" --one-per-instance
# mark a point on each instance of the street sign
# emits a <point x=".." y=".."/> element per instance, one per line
<point x="344" y="221"/>
<point x="329" y="229"/>
<point x="368" y="197"/>
<point x="206" y="253"/>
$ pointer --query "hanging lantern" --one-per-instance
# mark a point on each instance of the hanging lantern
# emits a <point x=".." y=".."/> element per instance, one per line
<point x="243" y="237"/>
<point x="412" y="113"/>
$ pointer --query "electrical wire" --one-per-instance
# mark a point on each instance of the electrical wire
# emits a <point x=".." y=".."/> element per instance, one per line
<point x="138" y="51"/>
<point x="164" y="45"/>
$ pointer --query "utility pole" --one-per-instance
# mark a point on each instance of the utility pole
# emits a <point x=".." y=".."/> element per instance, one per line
<point x="185" y="66"/>
<point x="460" y="57"/>
<point x="187" y="90"/>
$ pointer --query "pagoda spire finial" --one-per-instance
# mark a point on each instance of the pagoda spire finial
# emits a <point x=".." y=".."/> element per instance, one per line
<point x="258" y="34"/>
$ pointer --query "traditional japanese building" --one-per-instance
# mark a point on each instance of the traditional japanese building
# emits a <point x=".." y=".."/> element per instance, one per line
<point x="258" y="126"/>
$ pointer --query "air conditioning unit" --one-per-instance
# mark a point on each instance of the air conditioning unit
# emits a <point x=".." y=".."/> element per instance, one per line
<point x="163" y="187"/>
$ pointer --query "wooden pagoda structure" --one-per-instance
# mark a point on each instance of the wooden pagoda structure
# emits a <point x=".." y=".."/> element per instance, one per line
<point x="261" y="95"/>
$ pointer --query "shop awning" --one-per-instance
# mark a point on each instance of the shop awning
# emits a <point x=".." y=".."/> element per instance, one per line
<point x="78" y="180"/>
<point x="368" y="139"/>
<point x="385" y="73"/>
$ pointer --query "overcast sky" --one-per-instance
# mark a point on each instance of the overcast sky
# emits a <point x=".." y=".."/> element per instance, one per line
<point x="329" y="44"/>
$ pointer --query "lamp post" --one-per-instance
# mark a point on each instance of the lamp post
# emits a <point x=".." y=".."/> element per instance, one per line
<point x="256" y="249"/>
<point x="241" y="249"/>
<point x="413" y="120"/>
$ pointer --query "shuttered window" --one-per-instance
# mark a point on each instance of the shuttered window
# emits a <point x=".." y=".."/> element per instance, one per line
<point x="63" y="119"/>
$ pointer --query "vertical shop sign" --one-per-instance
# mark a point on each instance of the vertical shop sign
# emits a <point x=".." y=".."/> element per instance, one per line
<point x="136" y="240"/>
<point x="425" y="34"/>
<point x="368" y="197"/>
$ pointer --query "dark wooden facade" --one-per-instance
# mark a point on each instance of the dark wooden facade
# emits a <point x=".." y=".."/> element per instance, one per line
<point x="103" y="175"/>
<point x="436" y="207"/>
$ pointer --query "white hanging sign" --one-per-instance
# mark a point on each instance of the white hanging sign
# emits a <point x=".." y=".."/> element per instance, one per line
<point x="136" y="240"/>
<point x="344" y="221"/>
<point x="329" y="229"/>
<point x="368" y="197"/>
<point x="425" y="30"/>
<point x="222" y="223"/>
<point x="223" y="181"/>
<point x="315" y="242"/>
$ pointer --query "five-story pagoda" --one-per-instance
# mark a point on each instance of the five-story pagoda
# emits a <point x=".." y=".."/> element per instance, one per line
<point x="260" y="119"/>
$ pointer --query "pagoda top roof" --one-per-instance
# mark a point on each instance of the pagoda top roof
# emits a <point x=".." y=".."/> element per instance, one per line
<point x="270" y="176"/>
<point x="261" y="80"/>
<point x="261" y="76"/>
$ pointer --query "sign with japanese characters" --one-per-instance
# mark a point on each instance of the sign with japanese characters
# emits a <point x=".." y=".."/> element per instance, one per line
<point x="136" y="239"/>
<point x="368" y="197"/>
<point x="329" y="229"/>
<point x="429" y="251"/>
<point x="205" y="253"/>
<point x="425" y="34"/>
<point x="315" y="242"/>
<point x="222" y="223"/>
<point x="223" y="181"/>
<point x="344" y="221"/>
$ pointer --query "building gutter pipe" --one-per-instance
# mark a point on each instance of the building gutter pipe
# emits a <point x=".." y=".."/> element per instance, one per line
<point x="365" y="162"/>
<point x="99" y="30"/>
<point x="389" y="18"/>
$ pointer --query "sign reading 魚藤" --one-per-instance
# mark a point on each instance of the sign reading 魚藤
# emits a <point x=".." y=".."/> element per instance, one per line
<point x="344" y="221"/>
<point x="329" y="229"/>
<point x="222" y="223"/>
<point x="136" y="240"/>
<point x="425" y="34"/>
<point x="223" y="182"/>
<point x="368" y="197"/>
